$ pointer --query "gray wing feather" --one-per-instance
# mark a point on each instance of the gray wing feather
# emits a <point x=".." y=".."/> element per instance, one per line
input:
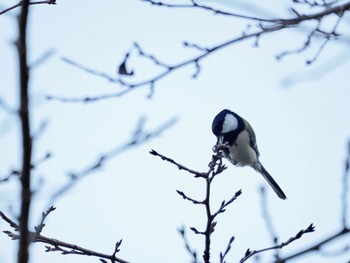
<point x="252" y="137"/>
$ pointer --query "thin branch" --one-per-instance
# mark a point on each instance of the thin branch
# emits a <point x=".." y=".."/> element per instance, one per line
<point x="43" y="58"/>
<point x="317" y="72"/>
<point x="210" y="221"/>
<point x="306" y="45"/>
<point x="335" y="252"/>
<point x="39" y="228"/>
<point x="40" y="130"/>
<point x="7" y="108"/>
<point x="179" y="166"/>
<point x="224" y="203"/>
<point x="10" y="175"/>
<point x="15" y="172"/>
<point x="68" y="248"/>
<point x="328" y="9"/>
<point x="195" y="46"/>
<point x="345" y="190"/>
<point x="57" y="245"/>
<point x="266" y="216"/>
<point x="328" y="36"/>
<point x="150" y="57"/>
<point x="194" y="4"/>
<point x="228" y="248"/>
<point x="12" y="224"/>
<point x="191" y="251"/>
<point x="315" y="247"/>
<point x="92" y="71"/>
<point x="50" y="2"/>
<point x="88" y="99"/>
<point x="249" y="253"/>
<point x="194" y="201"/>
<point x="139" y="137"/>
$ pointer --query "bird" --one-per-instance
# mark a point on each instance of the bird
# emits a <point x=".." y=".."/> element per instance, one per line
<point x="242" y="150"/>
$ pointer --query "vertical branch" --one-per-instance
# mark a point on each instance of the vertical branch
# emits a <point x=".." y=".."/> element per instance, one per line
<point x="267" y="218"/>
<point x="23" y="254"/>
<point x="208" y="230"/>
<point x="345" y="191"/>
<point x="215" y="167"/>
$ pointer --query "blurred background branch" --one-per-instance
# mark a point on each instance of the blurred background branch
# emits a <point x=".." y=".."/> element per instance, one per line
<point x="264" y="26"/>
<point x="138" y="137"/>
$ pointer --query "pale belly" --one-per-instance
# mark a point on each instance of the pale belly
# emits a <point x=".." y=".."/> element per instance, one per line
<point x="241" y="154"/>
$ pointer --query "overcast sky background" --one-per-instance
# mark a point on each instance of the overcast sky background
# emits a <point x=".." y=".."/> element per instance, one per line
<point x="302" y="130"/>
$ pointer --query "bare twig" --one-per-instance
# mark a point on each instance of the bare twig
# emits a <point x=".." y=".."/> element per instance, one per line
<point x="92" y="71"/>
<point x="328" y="36"/>
<point x="40" y="130"/>
<point x="15" y="172"/>
<point x="306" y="45"/>
<point x="39" y="228"/>
<point x="50" y="2"/>
<point x="317" y="72"/>
<point x="68" y="248"/>
<point x="6" y="107"/>
<point x="88" y="99"/>
<point x="268" y="220"/>
<point x="12" y="224"/>
<point x="10" y="175"/>
<point x="328" y="9"/>
<point x="139" y="137"/>
<point x="195" y="46"/>
<point x="315" y="247"/>
<point x="194" y="4"/>
<point x="225" y="203"/>
<point x="335" y="252"/>
<point x="191" y="251"/>
<point x="150" y="57"/>
<point x="57" y="245"/>
<point x="228" y="248"/>
<point x="249" y="253"/>
<point x="43" y="58"/>
<point x="345" y="190"/>
<point x="179" y="166"/>
<point x="194" y="201"/>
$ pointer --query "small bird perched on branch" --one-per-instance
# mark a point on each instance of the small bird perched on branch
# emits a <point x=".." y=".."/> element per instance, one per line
<point x="241" y="150"/>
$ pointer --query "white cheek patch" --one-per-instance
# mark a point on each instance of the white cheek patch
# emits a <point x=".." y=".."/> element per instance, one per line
<point x="230" y="123"/>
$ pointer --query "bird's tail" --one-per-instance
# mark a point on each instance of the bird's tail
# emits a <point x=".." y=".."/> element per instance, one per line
<point x="260" y="168"/>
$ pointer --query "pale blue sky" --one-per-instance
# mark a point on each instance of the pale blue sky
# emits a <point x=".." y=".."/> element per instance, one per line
<point x="301" y="131"/>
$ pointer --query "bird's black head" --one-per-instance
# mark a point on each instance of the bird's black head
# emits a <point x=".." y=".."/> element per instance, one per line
<point x="227" y="125"/>
<point x="219" y="121"/>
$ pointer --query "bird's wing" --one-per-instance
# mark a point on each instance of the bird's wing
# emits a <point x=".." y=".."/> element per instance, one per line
<point x="252" y="138"/>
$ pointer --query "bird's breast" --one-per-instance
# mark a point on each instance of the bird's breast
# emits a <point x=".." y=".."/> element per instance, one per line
<point x="241" y="153"/>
